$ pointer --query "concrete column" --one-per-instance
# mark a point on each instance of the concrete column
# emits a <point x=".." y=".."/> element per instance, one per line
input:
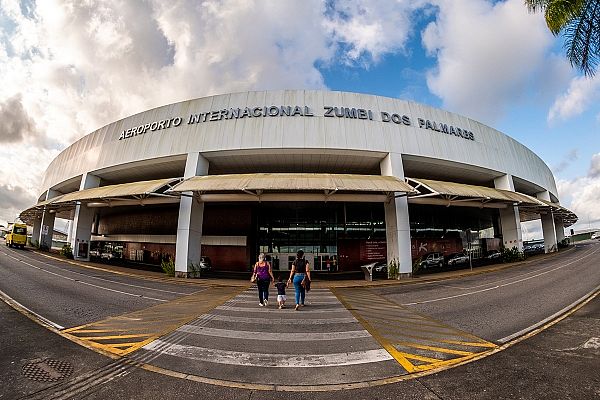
<point x="397" y="227"/>
<point x="548" y="227"/>
<point x="82" y="221"/>
<point x="37" y="227"/>
<point x="560" y="231"/>
<point x="46" y="230"/>
<point x="510" y="221"/>
<point x="189" y="225"/>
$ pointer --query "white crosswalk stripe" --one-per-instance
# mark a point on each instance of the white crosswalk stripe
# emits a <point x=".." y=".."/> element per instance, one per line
<point x="231" y="341"/>
<point x="298" y="337"/>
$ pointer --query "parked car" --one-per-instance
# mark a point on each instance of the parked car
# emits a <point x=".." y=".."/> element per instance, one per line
<point x="494" y="255"/>
<point x="380" y="266"/>
<point x="596" y="235"/>
<point x="109" y="255"/>
<point x="95" y="253"/>
<point x="205" y="263"/>
<point x="458" y="259"/>
<point x="432" y="260"/>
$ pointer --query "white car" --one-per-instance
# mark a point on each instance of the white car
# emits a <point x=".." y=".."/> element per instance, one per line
<point x="596" y="235"/>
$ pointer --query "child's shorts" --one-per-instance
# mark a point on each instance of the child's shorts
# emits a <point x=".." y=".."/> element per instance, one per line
<point x="281" y="297"/>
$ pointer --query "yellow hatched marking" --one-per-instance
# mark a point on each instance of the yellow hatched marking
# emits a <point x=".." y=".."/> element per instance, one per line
<point x="389" y="323"/>
<point x="419" y="322"/>
<point x="433" y="348"/>
<point x="421" y="328"/>
<point x="440" y="340"/>
<point x="403" y="361"/>
<point x="113" y="337"/>
<point x="420" y="358"/>
<point x="471" y="344"/>
<point x="151" y="323"/>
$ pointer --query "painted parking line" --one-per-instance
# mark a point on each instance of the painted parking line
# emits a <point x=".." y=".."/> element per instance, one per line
<point x="126" y="333"/>
<point x="418" y="343"/>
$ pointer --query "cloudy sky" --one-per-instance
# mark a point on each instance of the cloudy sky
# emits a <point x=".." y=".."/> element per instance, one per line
<point x="70" y="67"/>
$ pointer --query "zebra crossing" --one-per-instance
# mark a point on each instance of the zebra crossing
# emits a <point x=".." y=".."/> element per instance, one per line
<point x="238" y="341"/>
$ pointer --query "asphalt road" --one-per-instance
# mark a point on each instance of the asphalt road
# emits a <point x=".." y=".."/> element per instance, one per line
<point x="559" y="363"/>
<point x="492" y="306"/>
<point x="497" y="305"/>
<point x="68" y="295"/>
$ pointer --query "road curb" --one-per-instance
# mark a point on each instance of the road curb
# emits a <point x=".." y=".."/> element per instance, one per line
<point x="324" y="284"/>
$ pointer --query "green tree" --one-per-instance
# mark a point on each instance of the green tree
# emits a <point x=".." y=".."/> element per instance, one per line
<point x="579" y="23"/>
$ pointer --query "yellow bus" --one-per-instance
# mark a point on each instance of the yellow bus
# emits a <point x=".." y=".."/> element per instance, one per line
<point x="16" y="235"/>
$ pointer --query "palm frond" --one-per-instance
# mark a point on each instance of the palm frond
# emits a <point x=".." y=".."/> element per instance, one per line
<point x="560" y="12"/>
<point x="582" y="38"/>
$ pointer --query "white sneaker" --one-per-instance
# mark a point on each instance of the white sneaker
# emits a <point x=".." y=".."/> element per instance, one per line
<point x="261" y="304"/>
<point x="266" y="302"/>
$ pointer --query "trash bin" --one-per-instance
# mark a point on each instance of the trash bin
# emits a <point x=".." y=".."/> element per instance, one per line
<point x="368" y="271"/>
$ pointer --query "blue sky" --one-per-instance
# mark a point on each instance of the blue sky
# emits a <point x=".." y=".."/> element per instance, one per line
<point x="67" y="69"/>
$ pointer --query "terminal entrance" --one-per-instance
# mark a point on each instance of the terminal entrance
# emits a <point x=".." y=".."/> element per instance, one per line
<point x="330" y="234"/>
<point x="318" y="262"/>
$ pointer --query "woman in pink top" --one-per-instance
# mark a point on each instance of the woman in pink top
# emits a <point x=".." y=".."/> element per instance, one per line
<point x="264" y="277"/>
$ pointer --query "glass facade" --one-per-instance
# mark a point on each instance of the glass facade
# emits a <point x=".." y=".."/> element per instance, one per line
<point x="322" y="230"/>
<point x="453" y="230"/>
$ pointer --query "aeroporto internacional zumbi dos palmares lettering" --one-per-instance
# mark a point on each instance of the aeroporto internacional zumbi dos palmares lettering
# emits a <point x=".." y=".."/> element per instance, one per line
<point x="293" y="111"/>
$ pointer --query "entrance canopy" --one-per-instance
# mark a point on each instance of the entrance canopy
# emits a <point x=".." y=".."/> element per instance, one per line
<point x="134" y="193"/>
<point x="459" y="194"/>
<point x="304" y="187"/>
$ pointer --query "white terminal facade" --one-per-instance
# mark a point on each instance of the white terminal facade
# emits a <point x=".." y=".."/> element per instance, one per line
<point x="349" y="178"/>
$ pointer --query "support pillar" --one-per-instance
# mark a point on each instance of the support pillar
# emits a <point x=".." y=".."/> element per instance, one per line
<point x="82" y="221"/>
<point x="189" y="225"/>
<point x="548" y="227"/>
<point x="397" y="227"/>
<point x="46" y="229"/>
<point x="560" y="231"/>
<point x="35" y="235"/>
<point x="510" y="221"/>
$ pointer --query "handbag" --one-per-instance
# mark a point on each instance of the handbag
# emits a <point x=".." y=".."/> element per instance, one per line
<point x="305" y="283"/>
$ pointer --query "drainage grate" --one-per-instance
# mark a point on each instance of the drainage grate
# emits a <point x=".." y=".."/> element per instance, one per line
<point x="47" y="370"/>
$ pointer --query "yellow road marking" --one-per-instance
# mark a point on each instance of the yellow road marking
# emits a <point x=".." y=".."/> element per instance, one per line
<point x="420" y="358"/>
<point x="433" y="348"/>
<point x="392" y="324"/>
<point x="128" y="336"/>
<point x="407" y="365"/>
<point x="151" y="323"/>
<point x="448" y="341"/>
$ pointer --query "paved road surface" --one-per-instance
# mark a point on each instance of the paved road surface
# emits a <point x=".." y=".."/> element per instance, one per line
<point x="343" y="337"/>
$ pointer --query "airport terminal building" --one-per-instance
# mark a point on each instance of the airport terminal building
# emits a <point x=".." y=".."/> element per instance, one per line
<point x="349" y="178"/>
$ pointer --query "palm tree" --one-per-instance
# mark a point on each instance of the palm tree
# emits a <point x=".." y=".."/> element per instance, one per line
<point x="579" y="22"/>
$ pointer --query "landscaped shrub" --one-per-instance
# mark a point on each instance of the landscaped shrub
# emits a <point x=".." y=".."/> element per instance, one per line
<point x="512" y="255"/>
<point x="67" y="251"/>
<point x="168" y="266"/>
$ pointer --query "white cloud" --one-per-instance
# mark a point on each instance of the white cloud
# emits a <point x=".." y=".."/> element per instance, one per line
<point x="581" y="94"/>
<point x="69" y="67"/>
<point x="582" y="195"/>
<point x="486" y="54"/>
<point x="372" y="28"/>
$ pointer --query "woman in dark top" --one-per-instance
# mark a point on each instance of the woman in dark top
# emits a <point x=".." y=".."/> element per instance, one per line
<point x="300" y="271"/>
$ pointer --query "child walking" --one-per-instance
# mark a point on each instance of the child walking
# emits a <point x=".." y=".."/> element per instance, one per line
<point x="281" y="298"/>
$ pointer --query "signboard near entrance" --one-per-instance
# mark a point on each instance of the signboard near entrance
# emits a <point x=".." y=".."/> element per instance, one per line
<point x="373" y="250"/>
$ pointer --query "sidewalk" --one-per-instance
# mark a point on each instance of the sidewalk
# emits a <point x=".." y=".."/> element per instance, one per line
<point x="433" y="277"/>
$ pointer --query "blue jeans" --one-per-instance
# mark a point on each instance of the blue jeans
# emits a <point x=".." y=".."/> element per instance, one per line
<point x="300" y="292"/>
